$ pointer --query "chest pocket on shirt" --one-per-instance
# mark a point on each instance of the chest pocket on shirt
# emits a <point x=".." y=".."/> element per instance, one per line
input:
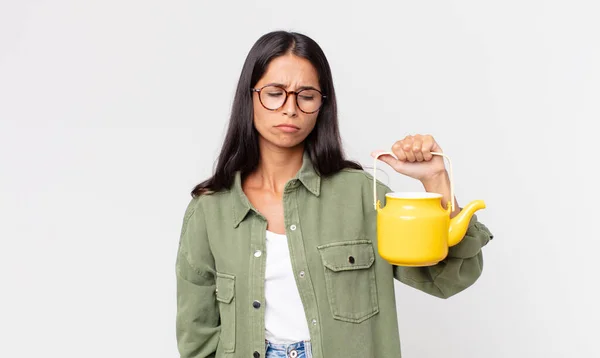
<point x="350" y="279"/>
<point x="226" y="297"/>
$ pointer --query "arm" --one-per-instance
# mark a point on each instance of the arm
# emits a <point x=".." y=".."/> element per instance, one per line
<point x="464" y="263"/>
<point x="197" y="320"/>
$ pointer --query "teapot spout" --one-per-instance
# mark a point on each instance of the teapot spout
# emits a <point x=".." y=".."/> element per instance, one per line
<point x="460" y="223"/>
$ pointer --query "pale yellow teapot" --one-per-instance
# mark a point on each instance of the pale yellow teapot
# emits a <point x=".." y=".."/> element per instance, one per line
<point x="413" y="229"/>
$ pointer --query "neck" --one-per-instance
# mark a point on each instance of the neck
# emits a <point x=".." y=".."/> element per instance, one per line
<point x="276" y="167"/>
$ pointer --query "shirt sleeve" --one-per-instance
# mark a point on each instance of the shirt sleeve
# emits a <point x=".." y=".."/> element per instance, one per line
<point x="197" y="319"/>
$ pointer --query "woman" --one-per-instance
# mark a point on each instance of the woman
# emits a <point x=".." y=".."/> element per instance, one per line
<point x="263" y="268"/>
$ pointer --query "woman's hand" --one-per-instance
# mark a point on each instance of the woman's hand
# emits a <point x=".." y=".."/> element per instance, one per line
<point x="414" y="158"/>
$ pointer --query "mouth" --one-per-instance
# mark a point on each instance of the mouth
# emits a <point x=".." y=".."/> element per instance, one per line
<point x="288" y="128"/>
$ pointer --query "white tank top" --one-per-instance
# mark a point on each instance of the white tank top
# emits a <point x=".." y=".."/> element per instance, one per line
<point x="285" y="321"/>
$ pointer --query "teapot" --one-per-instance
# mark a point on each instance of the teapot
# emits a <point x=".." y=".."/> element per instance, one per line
<point x="413" y="229"/>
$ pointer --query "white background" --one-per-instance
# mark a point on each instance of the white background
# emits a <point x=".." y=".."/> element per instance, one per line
<point x="111" y="111"/>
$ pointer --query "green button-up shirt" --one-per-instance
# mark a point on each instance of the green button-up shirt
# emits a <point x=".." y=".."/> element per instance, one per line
<point x="350" y="308"/>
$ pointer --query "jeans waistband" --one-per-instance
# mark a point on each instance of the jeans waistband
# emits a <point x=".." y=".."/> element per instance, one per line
<point x="301" y="349"/>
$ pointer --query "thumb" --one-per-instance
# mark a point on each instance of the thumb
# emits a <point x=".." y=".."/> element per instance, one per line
<point x="387" y="158"/>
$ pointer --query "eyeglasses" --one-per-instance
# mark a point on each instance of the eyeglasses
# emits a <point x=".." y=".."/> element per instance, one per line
<point x="272" y="97"/>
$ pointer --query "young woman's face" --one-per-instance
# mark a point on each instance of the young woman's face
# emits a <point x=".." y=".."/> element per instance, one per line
<point x="287" y="126"/>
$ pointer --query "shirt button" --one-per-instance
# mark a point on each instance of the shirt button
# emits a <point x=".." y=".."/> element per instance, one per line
<point x="256" y="304"/>
<point x="257" y="253"/>
<point x="256" y="354"/>
<point x="314" y="322"/>
<point x="301" y="273"/>
<point x="293" y="227"/>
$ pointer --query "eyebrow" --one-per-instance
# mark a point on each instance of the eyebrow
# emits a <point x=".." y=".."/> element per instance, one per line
<point x="298" y="89"/>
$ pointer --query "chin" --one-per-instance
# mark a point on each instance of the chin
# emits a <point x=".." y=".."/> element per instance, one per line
<point x="286" y="143"/>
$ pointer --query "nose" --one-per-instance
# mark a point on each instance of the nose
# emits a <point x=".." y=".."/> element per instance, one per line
<point x="289" y="106"/>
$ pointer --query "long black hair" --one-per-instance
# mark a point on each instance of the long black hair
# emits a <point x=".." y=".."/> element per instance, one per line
<point x="240" y="151"/>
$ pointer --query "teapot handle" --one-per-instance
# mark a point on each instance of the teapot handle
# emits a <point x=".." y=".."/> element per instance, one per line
<point x="451" y="202"/>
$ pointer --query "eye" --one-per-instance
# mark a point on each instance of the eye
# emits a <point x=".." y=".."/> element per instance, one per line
<point x="306" y="97"/>
<point x="272" y="91"/>
<point x="275" y="94"/>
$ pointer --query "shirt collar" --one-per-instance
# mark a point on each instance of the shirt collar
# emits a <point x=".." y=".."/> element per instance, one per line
<point x="307" y="175"/>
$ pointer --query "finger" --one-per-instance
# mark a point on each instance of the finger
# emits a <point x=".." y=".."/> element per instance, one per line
<point x="416" y="148"/>
<point x="427" y="147"/>
<point x="407" y="148"/>
<point x="379" y="153"/>
<point x="390" y="160"/>
<point x="407" y="143"/>
<point x="410" y="156"/>
<point x="401" y="156"/>
<point x="418" y="156"/>
<point x="397" y="150"/>
<point x="382" y="153"/>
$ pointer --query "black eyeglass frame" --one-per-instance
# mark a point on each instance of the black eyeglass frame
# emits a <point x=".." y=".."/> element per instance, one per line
<point x="287" y="94"/>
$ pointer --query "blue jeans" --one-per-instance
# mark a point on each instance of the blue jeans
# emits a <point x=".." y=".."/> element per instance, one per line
<point x="300" y="349"/>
